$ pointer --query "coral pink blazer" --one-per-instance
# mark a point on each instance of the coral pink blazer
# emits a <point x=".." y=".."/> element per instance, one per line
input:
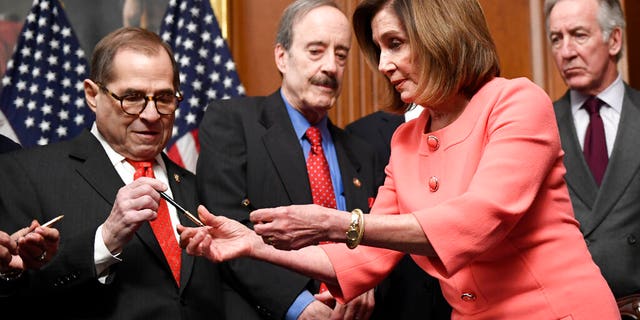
<point x="489" y="192"/>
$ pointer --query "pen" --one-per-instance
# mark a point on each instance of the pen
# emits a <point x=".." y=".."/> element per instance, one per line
<point x="181" y="209"/>
<point x="48" y="223"/>
<point x="52" y="221"/>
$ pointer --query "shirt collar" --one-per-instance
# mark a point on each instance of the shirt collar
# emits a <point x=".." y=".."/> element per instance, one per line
<point x="301" y="124"/>
<point x="613" y="96"/>
<point x="114" y="157"/>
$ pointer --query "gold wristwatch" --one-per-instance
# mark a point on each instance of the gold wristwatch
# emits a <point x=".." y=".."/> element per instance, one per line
<point x="356" y="229"/>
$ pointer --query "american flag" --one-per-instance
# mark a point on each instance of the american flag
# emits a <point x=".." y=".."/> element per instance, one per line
<point x="42" y="95"/>
<point x="207" y="71"/>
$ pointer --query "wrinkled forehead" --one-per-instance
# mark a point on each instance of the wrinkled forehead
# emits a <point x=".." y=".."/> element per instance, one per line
<point x="323" y="25"/>
<point x="571" y="14"/>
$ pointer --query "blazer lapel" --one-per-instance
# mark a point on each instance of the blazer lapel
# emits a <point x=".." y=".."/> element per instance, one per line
<point x="282" y="145"/>
<point x="390" y="122"/>
<point x="624" y="159"/>
<point x="350" y="168"/>
<point x="578" y="177"/>
<point x="95" y="167"/>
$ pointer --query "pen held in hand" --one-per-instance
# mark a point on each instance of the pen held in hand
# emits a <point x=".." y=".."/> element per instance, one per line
<point x="47" y="224"/>
<point x="181" y="209"/>
<point x="52" y="221"/>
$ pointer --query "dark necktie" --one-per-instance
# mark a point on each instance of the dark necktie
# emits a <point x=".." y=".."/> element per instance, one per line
<point x="161" y="226"/>
<point x="595" y="144"/>
<point x="319" y="175"/>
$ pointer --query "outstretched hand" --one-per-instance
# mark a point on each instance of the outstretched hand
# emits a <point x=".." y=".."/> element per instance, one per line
<point x="220" y="240"/>
<point x="297" y="226"/>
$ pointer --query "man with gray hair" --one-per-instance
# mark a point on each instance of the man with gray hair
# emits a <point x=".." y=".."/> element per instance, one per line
<point x="118" y="256"/>
<point x="262" y="152"/>
<point x="598" y="121"/>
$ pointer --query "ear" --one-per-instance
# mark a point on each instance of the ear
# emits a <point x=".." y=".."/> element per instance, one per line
<point x="281" y="56"/>
<point x="91" y="91"/>
<point x="615" y="41"/>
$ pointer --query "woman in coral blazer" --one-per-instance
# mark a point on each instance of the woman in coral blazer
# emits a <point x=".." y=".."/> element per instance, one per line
<point x="475" y="186"/>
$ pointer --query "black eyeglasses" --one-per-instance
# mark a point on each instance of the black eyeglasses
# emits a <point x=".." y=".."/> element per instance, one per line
<point x="134" y="104"/>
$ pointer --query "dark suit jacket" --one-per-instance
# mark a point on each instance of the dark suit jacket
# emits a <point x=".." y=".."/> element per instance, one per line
<point x="408" y="292"/>
<point x="609" y="216"/>
<point x="76" y="178"/>
<point x="249" y="150"/>
<point x="7" y="144"/>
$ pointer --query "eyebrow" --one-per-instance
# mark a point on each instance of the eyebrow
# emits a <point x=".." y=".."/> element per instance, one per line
<point x="128" y="91"/>
<point x="324" y="44"/>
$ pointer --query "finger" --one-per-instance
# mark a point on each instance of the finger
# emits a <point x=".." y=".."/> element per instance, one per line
<point x="146" y="181"/>
<point x="20" y="233"/>
<point x="261" y="216"/>
<point x="205" y="216"/>
<point x="340" y="312"/>
<point x="325" y="297"/>
<point x="262" y="229"/>
<point x="50" y="234"/>
<point x="185" y="235"/>
<point x="365" y="309"/>
<point x="193" y="243"/>
<point x="147" y="190"/>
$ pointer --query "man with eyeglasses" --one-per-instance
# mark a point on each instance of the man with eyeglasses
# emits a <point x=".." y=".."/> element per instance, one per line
<point x="118" y="257"/>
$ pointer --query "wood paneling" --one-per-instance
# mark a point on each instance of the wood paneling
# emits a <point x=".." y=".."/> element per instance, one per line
<point x="253" y="25"/>
<point x="512" y="36"/>
<point x="633" y="41"/>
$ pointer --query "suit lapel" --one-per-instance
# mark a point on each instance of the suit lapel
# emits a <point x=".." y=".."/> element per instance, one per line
<point x="284" y="149"/>
<point x="350" y="167"/>
<point x="624" y="159"/>
<point x="95" y="167"/>
<point x="578" y="177"/>
<point x="390" y="123"/>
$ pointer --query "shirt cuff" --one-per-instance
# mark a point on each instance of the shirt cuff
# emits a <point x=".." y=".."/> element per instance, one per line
<point x="302" y="301"/>
<point x="102" y="257"/>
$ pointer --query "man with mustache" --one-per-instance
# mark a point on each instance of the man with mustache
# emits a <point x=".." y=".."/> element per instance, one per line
<point x="601" y="146"/>
<point x="254" y="155"/>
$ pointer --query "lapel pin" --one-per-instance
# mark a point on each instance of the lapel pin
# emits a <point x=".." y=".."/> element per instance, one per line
<point x="176" y="177"/>
<point x="357" y="183"/>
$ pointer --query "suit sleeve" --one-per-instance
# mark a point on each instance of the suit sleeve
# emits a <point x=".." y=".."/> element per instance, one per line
<point x="31" y="197"/>
<point x="222" y="186"/>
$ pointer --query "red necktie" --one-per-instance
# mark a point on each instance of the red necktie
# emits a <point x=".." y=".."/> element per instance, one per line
<point x="595" y="144"/>
<point x="318" y="169"/>
<point x="319" y="176"/>
<point x="161" y="226"/>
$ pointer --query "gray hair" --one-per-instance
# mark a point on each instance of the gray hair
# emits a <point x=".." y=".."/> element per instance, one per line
<point x="610" y="17"/>
<point x="292" y="14"/>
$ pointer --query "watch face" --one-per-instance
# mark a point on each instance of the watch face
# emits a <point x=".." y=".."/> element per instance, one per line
<point x="352" y="234"/>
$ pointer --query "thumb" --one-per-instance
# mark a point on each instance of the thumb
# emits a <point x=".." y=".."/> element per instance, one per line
<point x="324" y="297"/>
<point x="206" y="217"/>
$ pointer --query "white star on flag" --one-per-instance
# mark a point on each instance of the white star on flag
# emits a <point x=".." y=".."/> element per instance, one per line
<point x="191" y="29"/>
<point x="39" y="80"/>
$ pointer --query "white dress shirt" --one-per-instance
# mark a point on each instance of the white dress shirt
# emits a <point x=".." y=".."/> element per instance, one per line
<point x="103" y="258"/>
<point x="612" y="96"/>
